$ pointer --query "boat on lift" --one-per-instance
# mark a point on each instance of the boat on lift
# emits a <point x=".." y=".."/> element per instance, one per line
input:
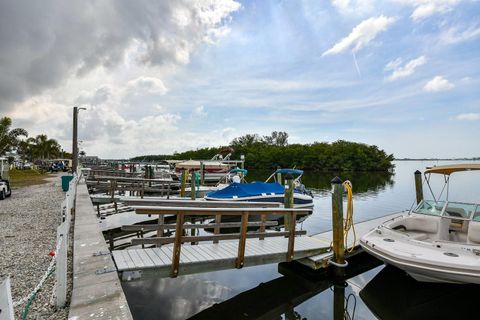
<point x="269" y="191"/>
<point x="437" y="241"/>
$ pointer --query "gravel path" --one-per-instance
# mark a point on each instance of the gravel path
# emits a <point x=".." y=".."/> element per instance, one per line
<point x="28" y="221"/>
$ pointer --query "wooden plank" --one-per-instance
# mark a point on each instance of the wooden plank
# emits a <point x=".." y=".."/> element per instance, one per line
<point x="138" y="227"/>
<point x="155" y="259"/>
<point x="162" y="253"/>
<point x="231" y="236"/>
<point x="157" y="253"/>
<point x="208" y="252"/>
<point x="148" y="262"/>
<point x="119" y="260"/>
<point x="191" y="254"/>
<point x="128" y="260"/>
<point x="135" y="258"/>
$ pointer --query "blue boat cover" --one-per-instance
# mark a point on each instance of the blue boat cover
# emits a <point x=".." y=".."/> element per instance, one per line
<point x="242" y="190"/>
<point x="291" y="171"/>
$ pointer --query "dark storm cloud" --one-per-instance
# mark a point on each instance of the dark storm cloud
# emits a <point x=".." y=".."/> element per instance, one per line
<point x="44" y="42"/>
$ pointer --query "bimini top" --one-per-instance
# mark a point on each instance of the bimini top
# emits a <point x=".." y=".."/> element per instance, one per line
<point x="291" y="171"/>
<point x="238" y="170"/>
<point x="447" y="170"/>
<point x="242" y="190"/>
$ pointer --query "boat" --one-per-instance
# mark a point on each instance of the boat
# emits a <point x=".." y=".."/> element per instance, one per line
<point x="269" y="191"/>
<point x="437" y="241"/>
<point x="234" y="175"/>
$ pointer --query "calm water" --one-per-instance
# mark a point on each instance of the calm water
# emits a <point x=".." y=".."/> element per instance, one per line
<point x="383" y="292"/>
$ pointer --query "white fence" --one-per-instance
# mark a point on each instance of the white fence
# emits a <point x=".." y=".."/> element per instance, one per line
<point x="67" y="212"/>
<point x="59" y="260"/>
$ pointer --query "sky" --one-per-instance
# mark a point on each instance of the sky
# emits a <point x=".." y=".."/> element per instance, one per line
<point x="158" y="77"/>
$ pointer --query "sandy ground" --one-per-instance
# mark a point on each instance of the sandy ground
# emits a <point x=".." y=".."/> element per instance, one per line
<point x="28" y="220"/>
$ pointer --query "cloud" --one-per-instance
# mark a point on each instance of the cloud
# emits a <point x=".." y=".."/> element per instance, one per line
<point x="45" y="43"/>
<point x="426" y="8"/>
<point x="356" y="7"/>
<point x="438" y="84"/>
<point x="361" y="35"/>
<point x="454" y="35"/>
<point x="146" y="85"/>
<point x="405" y="71"/>
<point x="199" y="112"/>
<point x="468" y="116"/>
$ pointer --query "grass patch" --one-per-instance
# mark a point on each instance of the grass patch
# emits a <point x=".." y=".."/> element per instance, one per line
<point x="24" y="178"/>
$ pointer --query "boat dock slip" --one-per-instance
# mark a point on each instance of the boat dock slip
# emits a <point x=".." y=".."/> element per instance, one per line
<point x="187" y="255"/>
<point x="321" y="260"/>
<point x="157" y="262"/>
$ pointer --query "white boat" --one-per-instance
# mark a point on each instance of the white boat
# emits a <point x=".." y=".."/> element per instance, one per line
<point x="438" y="241"/>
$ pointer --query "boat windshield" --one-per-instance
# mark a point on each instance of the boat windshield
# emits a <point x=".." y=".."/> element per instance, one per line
<point x="457" y="210"/>
<point x="430" y="207"/>
<point x="476" y="214"/>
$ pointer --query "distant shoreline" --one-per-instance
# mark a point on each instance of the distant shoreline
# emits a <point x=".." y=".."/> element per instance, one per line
<point x="437" y="159"/>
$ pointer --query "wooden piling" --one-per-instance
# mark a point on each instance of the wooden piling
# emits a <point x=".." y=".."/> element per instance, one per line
<point x="193" y="192"/>
<point x="288" y="199"/>
<point x="177" y="245"/>
<point x="418" y="186"/>
<point x="339" y="301"/>
<point x="183" y="184"/>
<point x="337" y="225"/>
<point x="202" y="173"/>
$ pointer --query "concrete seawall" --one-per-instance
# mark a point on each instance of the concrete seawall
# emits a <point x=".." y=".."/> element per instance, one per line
<point x="97" y="292"/>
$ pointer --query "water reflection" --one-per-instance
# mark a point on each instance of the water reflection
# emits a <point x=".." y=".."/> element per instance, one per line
<point x="392" y="294"/>
<point x="364" y="182"/>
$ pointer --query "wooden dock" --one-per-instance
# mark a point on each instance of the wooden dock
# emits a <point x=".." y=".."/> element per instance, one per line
<point x="252" y="248"/>
<point x="157" y="262"/>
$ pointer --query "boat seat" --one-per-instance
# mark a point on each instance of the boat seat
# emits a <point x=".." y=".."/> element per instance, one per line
<point x="422" y="227"/>
<point x="473" y="235"/>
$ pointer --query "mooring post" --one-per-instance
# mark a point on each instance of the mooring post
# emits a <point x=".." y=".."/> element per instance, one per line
<point x="288" y="199"/>
<point x="202" y="173"/>
<point x="337" y="226"/>
<point x="339" y="301"/>
<point x="279" y="176"/>
<point x="193" y="192"/>
<point x="418" y="186"/>
<point x="184" y="182"/>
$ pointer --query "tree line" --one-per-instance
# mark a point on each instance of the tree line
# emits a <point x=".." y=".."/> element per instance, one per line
<point x="268" y="152"/>
<point x="28" y="148"/>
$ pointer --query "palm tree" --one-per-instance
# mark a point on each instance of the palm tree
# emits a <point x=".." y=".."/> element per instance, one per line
<point x="9" y="137"/>
<point x="45" y="148"/>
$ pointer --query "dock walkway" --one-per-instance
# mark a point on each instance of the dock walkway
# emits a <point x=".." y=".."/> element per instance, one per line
<point x="156" y="262"/>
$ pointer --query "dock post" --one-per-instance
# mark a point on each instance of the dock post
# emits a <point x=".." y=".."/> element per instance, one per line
<point x="184" y="182"/>
<point x="193" y="192"/>
<point x="288" y="199"/>
<point x="418" y="186"/>
<point x="337" y="227"/>
<point x="339" y="301"/>
<point x="202" y="173"/>
<point x="279" y="176"/>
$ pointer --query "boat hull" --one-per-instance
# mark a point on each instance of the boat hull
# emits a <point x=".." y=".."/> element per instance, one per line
<point x="423" y="263"/>
<point x="299" y="200"/>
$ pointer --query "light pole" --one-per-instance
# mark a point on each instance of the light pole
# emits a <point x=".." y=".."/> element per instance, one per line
<point x="75" y="139"/>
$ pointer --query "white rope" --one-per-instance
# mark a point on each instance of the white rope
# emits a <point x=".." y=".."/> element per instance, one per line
<point x="44" y="278"/>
